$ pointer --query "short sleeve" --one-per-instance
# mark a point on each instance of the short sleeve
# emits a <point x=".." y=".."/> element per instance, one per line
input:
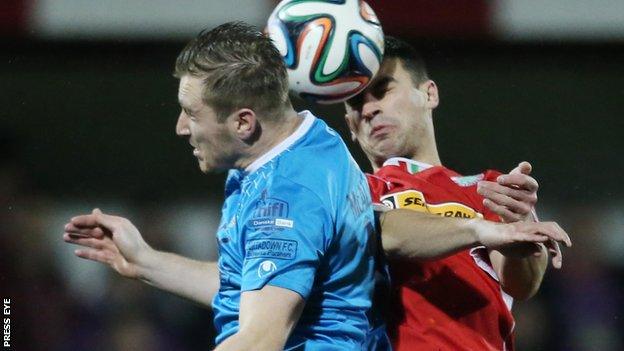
<point x="377" y="187"/>
<point x="287" y="231"/>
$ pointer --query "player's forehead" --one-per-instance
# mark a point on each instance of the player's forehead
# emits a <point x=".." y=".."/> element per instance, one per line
<point x="391" y="70"/>
<point x="190" y="92"/>
<point x="388" y="68"/>
<point x="387" y="74"/>
<point x="394" y="68"/>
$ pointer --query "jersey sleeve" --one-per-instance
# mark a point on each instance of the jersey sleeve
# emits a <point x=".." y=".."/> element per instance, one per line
<point x="285" y="239"/>
<point x="377" y="186"/>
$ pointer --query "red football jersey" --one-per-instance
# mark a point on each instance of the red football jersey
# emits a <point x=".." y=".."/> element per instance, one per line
<point x="454" y="303"/>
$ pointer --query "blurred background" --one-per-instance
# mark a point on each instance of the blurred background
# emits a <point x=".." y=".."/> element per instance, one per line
<point x="89" y="108"/>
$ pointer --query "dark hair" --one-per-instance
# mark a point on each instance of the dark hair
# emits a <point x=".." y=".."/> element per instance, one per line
<point x="240" y="67"/>
<point x="398" y="49"/>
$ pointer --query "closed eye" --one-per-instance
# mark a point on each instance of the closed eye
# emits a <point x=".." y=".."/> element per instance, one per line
<point x="381" y="87"/>
<point x="189" y="113"/>
<point x="378" y="89"/>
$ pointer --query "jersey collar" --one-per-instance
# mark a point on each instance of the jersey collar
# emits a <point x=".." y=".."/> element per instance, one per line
<point x="304" y="127"/>
<point x="410" y="165"/>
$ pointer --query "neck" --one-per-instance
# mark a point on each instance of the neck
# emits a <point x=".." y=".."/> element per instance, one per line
<point x="270" y="134"/>
<point x="427" y="153"/>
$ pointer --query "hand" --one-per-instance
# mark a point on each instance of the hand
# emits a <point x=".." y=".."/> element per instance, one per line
<point x="522" y="239"/>
<point x="111" y="240"/>
<point x="513" y="196"/>
<point x="555" y="252"/>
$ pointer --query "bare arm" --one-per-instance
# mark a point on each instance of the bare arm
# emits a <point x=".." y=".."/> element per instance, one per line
<point x="115" y="241"/>
<point x="520" y="268"/>
<point x="192" y="279"/>
<point x="267" y="317"/>
<point x="520" y="274"/>
<point x="408" y="234"/>
<point x="517" y="250"/>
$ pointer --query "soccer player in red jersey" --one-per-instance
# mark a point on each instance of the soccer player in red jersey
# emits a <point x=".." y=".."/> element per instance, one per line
<point x="452" y="288"/>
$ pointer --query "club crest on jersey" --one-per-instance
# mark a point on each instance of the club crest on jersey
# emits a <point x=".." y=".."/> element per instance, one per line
<point x="467" y="181"/>
<point x="270" y="214"/>
<point x="415" y="200"/>
<point x="265" y="268"/>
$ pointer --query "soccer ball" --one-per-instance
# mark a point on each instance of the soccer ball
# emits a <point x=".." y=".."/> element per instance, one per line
<point x="332" y="48"/>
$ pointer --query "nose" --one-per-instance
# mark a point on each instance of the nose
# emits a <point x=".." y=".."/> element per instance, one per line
<point x="370" y="109"/>
<point x="182" y="128"/>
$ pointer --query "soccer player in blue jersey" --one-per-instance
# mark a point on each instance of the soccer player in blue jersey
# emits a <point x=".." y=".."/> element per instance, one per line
<point x="296" y="262"/>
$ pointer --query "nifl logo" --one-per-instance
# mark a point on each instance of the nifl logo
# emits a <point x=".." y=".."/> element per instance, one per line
<point x="267" y="212"/>
<point x="270" y="207"/>
<point x="266" y="268"/>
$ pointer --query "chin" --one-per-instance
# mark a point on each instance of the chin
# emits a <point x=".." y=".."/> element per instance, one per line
<point x="385" y="152"/>
<point x="204" y="168"/>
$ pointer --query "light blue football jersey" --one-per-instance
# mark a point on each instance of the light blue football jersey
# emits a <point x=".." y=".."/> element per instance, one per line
<point x="300" y="218"/>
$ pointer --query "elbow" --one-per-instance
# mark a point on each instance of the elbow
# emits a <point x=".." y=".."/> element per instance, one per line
<point x="391" y="246"/>
<point x="389" y="243"/>
<point x="522" y="295"/>
<point x="394" y="242"/>
<point x="522" y="292"/>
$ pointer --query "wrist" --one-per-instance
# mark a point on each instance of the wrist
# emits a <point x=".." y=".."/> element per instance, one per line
<point x="476" y="227"/>
<point x="146" y="260"/>
<point x="532" y="216"/>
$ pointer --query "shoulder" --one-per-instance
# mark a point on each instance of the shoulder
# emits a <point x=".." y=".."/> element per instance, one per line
<point x="319" y="145"/>
<point x="320" y="159"/>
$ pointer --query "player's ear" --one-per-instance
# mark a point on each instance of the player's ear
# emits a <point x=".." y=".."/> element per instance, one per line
<point x="430" y="88"/>
<point x="245" y="122"/>
<point x="349" y="122"/>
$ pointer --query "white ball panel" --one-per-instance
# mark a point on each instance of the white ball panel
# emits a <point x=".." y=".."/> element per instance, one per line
<point x="279" y="40"/>
<point x="300" y="76"/>
<point x="337" y="51"/>
<point x="334" y="89"/>
<point x="346" y="19"/>
<point x="368" y="57"/>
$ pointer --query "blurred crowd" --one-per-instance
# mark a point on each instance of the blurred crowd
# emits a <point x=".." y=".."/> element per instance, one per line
<point x="60" y="302"/>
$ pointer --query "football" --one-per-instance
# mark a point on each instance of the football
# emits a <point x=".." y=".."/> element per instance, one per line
<point x="332" y="48"/>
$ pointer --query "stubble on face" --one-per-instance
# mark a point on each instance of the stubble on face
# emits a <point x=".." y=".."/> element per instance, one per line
<point x="211" y="139"/>
<point x="400" y="119"/>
